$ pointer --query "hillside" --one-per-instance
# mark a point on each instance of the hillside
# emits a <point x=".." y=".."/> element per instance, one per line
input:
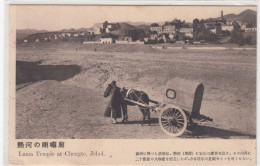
<point x="248" y="16"/>
<point x="23" y="33"/>
<point x="124" y="29"/>
<point x="127" y="26"/>
<point x="245" y="16"/>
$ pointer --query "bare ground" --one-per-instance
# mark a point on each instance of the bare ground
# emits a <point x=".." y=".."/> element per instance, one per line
<point x="60" y="90"/>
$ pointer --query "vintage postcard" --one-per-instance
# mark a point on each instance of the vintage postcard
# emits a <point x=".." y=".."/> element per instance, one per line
<point x="132" y="85"/>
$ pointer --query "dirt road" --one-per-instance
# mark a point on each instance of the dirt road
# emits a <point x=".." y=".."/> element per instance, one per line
<point x="65" y="85"/>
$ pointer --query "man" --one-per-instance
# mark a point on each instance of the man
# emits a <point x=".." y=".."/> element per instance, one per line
<point x="114" y="105"/>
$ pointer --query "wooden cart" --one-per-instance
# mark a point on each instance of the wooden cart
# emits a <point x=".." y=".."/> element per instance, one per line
<point x="180" y="106"/>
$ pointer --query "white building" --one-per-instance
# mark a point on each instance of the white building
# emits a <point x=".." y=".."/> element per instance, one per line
<point x="243" y="27"/>
<point x="107" y="40"/>
<point x="157" y="29"/>
<point x="107" y="30"/>
<point x="227" y="27"/>
<point x="128" y="38"/>
<point x="171" y="36"/>
<point x="253" y="29"/>
<point x="187" y="31"/>
<point x="169" y="29"/>
<point x="97" y="31"/>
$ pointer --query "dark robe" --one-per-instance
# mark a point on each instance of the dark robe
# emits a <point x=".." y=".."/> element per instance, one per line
<point x="114" y="104"/>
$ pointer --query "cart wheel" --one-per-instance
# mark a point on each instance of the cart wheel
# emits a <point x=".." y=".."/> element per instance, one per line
<point x="173" y="121"/>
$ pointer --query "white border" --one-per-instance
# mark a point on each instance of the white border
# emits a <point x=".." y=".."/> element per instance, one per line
<point x="4" y="84"/>
<point x="1" y="78"/>
<point x="136" y="2"/>
<point x="4" y="48"/>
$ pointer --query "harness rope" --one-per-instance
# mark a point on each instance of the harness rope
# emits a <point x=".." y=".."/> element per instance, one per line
<point x="129" y="95"/>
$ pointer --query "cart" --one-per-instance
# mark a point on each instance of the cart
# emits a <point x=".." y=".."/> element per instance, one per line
<point x="180" y="107"/>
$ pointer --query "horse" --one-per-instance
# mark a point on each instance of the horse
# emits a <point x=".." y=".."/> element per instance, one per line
<point x="135" y="95"/>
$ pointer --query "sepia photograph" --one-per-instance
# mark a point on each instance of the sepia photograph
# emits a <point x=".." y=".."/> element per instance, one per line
<point x="132" y="84"/>
<point x="135" y="72"/>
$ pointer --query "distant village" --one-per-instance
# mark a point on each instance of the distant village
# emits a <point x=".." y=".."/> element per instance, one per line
<point x="197" y="32"/>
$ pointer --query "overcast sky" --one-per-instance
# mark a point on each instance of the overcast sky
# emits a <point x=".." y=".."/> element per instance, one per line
<point x="50" y="17"/>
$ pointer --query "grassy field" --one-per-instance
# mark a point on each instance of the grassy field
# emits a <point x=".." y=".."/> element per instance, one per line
<point x="65" y="82"/>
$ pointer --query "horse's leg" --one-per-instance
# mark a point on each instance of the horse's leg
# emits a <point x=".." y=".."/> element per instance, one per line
<point x="124" y="108"/>
<point x="143" y="117"/>
<point x="143" y="113"/>
<point x="126" y="115"/>
<point x="148" y="114"/>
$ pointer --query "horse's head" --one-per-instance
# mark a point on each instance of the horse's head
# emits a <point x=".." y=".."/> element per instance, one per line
<point x="108" y="90"/>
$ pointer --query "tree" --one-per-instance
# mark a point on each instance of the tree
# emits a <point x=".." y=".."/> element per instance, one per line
<point x="196" y="22"/>
<point x="166" y="23"/>
<point x="179" y="36"/>
<point x="237" y="37"/>
<point x="248" y="39"/>
<point x="155" y="25"/>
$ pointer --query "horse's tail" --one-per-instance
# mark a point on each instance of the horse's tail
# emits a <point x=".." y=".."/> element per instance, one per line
<point x="155" y="102"/>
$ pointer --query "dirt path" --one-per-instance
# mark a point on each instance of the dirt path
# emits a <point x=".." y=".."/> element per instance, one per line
<point x="54" y="110"/>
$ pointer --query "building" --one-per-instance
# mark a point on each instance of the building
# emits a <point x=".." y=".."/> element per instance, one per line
<point x="221" y="15"/>
<point x="216" y="30"/>
<point x="187" y="31"/>
<point x="253" y="29"/>
<point x="128" y="38"/>
<point x="101" y="25"/>
<point x="239" y="23"/>
<point x="100" y="28"/>
<point x="146" y="39"/>
<point x="229" y="22"/>
<point x="112" y="27"/>
<point x="108" y="30"/>
<point x="63" y="34"/>
<point x="226" y="27"/>
<point x="98" y="31"/>
<point x="214" y="21"/>
<point x="157" y="29"/>
<point x="153" y="36"/>
<point x="209" y="25"/>
<point x="171" y="36"/>
<point x="169" y="29"/>
<point x="68" y="34"/>
<point x="108" y="40"/>
<point x="243" y="27"/>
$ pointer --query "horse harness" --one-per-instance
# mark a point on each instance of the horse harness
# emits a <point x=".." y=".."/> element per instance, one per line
<point x="132" y="91"/>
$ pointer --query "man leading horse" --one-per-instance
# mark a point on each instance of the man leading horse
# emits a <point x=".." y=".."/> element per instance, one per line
<point x="116" y="103"/>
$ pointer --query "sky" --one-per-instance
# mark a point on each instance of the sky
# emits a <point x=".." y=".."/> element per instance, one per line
<point x="57" y="17"/>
